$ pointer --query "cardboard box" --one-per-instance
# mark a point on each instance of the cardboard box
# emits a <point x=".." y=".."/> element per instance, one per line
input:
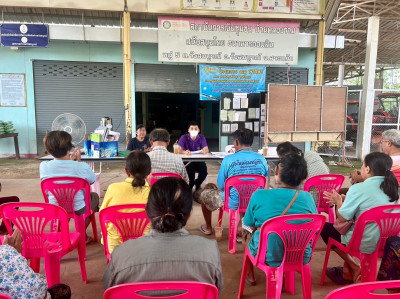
<point x="108" y="149"/>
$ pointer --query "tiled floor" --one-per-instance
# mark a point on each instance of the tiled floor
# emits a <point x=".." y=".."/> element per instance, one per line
<point x="29" y="190"/>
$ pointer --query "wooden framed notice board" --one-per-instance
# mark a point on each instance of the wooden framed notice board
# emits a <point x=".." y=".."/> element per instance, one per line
<point x="299" y="113"/>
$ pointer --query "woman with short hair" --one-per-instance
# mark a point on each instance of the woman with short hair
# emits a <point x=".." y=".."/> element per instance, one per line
<point x="168" y="251"/>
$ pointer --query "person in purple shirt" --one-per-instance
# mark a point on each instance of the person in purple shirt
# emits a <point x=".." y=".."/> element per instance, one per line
<point x="192" y="142"/>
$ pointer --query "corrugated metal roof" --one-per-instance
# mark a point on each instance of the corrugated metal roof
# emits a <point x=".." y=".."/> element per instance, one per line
<point x="352" y="21"/>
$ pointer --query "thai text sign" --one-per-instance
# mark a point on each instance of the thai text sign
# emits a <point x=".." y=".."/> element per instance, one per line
<point x="24" y="35"/>
<point x="215" y="80"/>
<point x="227" y="41"/>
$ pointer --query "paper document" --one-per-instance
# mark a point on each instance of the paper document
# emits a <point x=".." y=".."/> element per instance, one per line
<point x="262" y="109"/>
<point x="226" y="128"/>
<point x="196" y="152"/>
<point x="257" y="113"/>
<point x="244" y="103"/>
<point x="231" y="115"/>
<point x="227" y="103"/>
<point x="252" y="113"/>
<point x="240" y="116"/>
<point x="236" y="103"/>
<point x="234" y="127"/>
<point x="256" y="127"/>
<point x="249" y="125"/>
<point x="224" y="115"/>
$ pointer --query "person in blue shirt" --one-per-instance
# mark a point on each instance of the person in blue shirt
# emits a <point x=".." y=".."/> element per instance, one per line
<point x="67" y="164"/>
<point x="141" y="142"/>
<point x="267" y="204"/>
<point x="244" y="161"/>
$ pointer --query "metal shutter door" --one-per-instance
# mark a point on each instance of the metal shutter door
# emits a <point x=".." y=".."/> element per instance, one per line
<point x="278" y="75"/>
<point x="89" y="90"/>
<point x="166" y="78"/>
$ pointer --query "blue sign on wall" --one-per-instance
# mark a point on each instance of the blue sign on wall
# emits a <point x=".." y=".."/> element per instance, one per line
<point x="24" y="35"/>
<point x="215" y="80"/>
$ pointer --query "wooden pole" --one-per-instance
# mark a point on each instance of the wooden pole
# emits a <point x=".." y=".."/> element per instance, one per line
<point x="320" y="53"/>
<point x="127" y="73"/>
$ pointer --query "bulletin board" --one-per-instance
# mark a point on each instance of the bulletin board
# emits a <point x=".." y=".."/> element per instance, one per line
<point x="300" y="113"/>
<point x="238" y="111"/>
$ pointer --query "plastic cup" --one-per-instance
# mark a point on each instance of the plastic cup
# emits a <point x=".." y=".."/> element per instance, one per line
<point x="176" y="148"/>
<point x="265" y="151"/>
<point x="218" y="233"/>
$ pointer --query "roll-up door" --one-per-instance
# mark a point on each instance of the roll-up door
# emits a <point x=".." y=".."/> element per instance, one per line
<point x="89" y="90"/>
<point x="166" y="78"/>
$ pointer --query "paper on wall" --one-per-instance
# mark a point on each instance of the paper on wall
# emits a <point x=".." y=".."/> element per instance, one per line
<point x="256" y="127"/>
<point x="227" y="103"/>
<point x="257" y="113"/>
<point x="234" y="127"/>
<point x="224" y="115"/>
<point x="236" y="103"/>
<point x="252" y="113"/>
<point x="248" y="125"/>
<point x="240" y="116"/>
<point x="262" y="109"/>
<point x="244" y="103"/>
<point x="231" y="115"/>
<point x="226" y="128"/>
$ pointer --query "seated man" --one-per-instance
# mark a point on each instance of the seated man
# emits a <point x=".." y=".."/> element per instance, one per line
<point x="244" y="161"/>
<point x="161" y="159"/>
<point x="390" y="144"/>
<point x="193" y="141"/>
<point x="141" y="141"/>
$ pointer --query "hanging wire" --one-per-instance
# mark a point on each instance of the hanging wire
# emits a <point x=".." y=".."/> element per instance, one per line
<point x="83" y="27"/>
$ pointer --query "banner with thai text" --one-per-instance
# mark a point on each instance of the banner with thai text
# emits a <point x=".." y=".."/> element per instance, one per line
<point x="215" y="80"/>
<point x="196" y="40"/>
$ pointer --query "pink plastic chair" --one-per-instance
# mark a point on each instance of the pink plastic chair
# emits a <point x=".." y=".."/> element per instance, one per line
<point x="194" y="289"/>
<point x="130" y="225"/>
<point x="64" y="190"/>
<point x="325" y="182"/>
<point x="245" y="185"/>
<point x="4" y="296"/>
<point x="159" y="175"/>
<point x="397" y="175"/>
<point x="295" y="238"/>
<point x="32" y="219"/>
<point x="365" y="290"/>
<point x="95" y="187"/>
<point x="388" y="220"/>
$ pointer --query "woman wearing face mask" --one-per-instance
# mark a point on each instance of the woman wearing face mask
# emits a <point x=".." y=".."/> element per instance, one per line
<point x="194" y="142"/>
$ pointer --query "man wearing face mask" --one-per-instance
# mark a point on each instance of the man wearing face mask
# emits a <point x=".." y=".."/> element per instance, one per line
<point x="193" y="142"/>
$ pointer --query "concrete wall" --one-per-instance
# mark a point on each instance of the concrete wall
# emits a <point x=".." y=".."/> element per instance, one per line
<point x="21" y="62"/>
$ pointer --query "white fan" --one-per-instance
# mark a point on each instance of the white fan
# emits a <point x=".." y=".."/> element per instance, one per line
<point x="72" y="124"/>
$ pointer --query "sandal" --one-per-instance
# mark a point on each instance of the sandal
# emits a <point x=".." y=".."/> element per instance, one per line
<point x="249" y="282"/>
<point x="205" y="231"/>
<point x="336" y="275"/>
<point x="89" y="240"/>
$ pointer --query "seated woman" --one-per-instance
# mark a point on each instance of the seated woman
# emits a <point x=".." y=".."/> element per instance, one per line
<point x="266" y="204"/>
<point x="134" y="190"/>
<point x="380" y="187"/>
<point x="168" y="251"/>
<point x="315" y="164"/>
<point x="59" y="145"/>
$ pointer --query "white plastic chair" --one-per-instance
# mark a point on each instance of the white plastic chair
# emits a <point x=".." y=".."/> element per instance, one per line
<point x="95" y="187"/>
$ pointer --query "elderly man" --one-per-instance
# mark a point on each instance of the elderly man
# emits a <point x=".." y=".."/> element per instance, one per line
<point x="390" y="144"/>
<point x="244" y="161"/>
<point x="161" y="159"/>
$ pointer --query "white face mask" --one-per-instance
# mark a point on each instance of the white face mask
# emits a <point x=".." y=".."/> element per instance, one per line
<point x="193" y="133"/>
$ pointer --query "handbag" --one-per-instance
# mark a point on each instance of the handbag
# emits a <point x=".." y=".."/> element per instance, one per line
<point x="343" y="226"/>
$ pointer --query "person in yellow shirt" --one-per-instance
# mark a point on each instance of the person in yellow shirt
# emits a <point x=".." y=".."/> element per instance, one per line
<point x="134" y="190"/>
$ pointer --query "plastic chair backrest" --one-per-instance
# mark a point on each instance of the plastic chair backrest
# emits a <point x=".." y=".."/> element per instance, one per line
<point x="365" y="290"/>
<point x="4" y="296"/>
<point x="397" y="175"/>
<point x="324" y="182"/>
<point x="194" y="289"/>
<point x="386" y="217"/>
<point x="246" y="185"/>
<point x="32" y="219"/>
<point x="64" y="190"/>
<point x="295" y="236"/>
<point x="130" y="225"/>
<point x="159" y="175"/>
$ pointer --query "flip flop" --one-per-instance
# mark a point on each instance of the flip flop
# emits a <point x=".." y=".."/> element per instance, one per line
<point x="336" y="275"/>
<point x="249" y="282"/>
<point x="89" y="240"/>
<point x="239" y="239"/>
<point x="205" y="231"/>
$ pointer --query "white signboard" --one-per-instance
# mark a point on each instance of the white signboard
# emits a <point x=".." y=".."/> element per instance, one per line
<point x="226" y="5"/>
<point x="12" y="90"/>
<point x="288" y="6"/>
<point x="197" y="40"/>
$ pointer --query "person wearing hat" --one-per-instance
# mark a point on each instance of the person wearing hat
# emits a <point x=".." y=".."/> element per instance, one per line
<point x="141" y="141"/>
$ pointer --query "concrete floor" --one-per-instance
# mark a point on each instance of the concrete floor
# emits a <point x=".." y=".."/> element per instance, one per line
<point x="29" y="190"/>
